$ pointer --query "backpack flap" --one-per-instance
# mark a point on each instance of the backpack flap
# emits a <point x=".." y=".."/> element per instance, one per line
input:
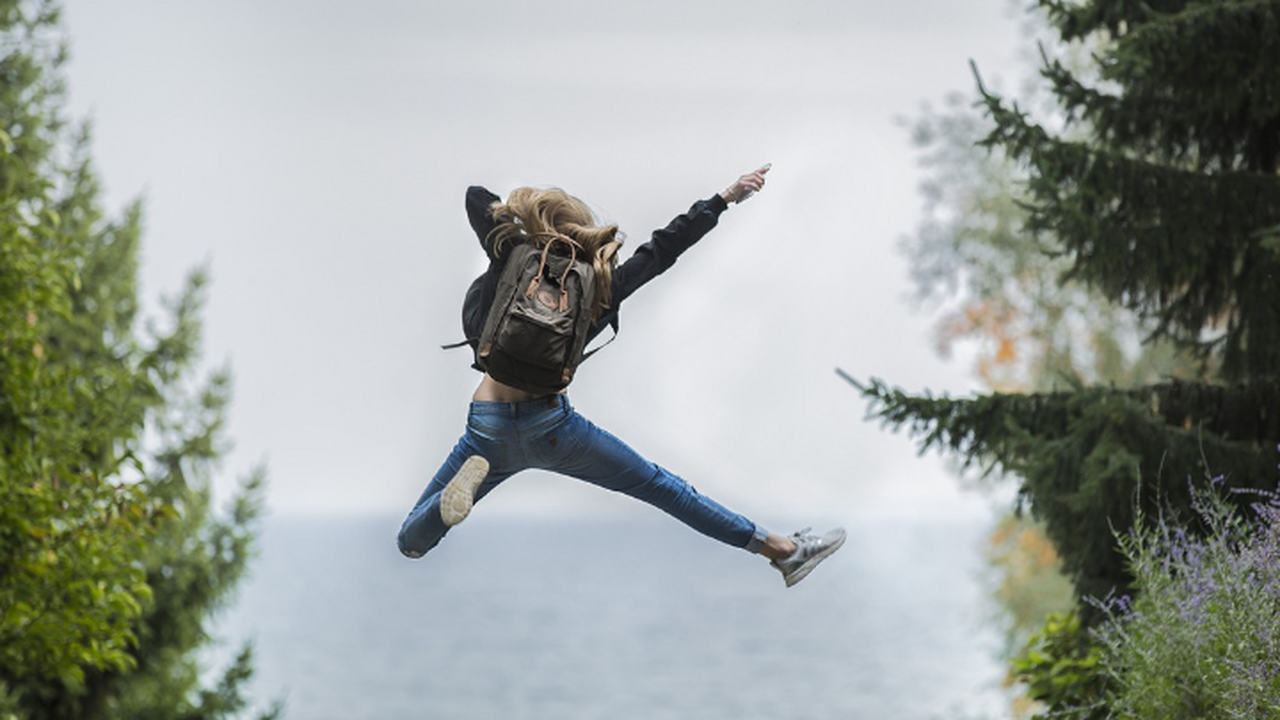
<point x="537" y="327"/>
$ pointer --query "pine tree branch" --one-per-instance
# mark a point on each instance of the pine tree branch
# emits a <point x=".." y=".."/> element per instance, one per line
<point x="1087" y="459"/>
<point x="1179" y="246"/>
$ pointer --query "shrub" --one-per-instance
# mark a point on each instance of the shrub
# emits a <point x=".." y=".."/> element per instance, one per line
<point x="1062" y="669"/>
<point x="1200" y="639"/>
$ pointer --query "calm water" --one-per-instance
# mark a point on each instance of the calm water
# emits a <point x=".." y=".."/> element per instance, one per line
<point x="635" y="618"/>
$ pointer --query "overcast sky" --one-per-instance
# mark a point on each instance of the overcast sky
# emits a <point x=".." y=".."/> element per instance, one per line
<point x="315" y="153"/>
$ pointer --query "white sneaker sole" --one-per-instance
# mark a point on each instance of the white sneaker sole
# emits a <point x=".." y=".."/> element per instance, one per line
<point x="460" y="493"/>
<point x="803" y="571"/>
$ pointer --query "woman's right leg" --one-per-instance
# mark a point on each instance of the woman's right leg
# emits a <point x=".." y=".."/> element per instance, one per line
<point x="425" y="526"/>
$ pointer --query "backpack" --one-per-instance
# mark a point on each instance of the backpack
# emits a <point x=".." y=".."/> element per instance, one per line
<point x="537" y="326"/>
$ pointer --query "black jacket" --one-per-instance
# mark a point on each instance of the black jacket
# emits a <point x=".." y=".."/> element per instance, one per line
<point x="647" y="262"/>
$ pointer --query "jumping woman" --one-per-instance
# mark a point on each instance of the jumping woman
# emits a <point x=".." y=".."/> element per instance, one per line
<point x="509" y="429"/>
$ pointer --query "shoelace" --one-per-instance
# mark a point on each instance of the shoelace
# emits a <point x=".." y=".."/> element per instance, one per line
<point x="804" y="540"/>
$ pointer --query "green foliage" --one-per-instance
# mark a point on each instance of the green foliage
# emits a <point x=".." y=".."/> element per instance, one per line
<point x="1005" y="289"/>
<point x="69" y="530"/>
<point x="1164" y="206"/>
<point x="1063" y="669"/>
<point x="1199" y="640"/>
<point x="110" y="560"/>
<point x="1030" y="584"/>
<point x="1139" y="204"/>
<point x="1160" y="196"/>
<point x="1086" y="457"/>
<point x="1001" y="292"/>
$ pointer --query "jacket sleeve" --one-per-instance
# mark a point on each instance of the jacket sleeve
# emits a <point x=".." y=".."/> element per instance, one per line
<point x="479" y="200"/>
<point x="653" y="258"/>
<point x="475" y="306"/>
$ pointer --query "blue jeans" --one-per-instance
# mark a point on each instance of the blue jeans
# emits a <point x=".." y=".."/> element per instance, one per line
<point x="547" y="433"/>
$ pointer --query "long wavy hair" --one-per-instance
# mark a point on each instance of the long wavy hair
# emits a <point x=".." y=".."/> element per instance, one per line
<point x="530" y="214"/>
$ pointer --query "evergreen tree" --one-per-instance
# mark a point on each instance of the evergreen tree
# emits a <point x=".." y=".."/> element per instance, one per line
<point x="1000" y="293"/>
<point x="1160" y="192"/>
<point x="110" y="559"/>
<point x="1001" y="289"/>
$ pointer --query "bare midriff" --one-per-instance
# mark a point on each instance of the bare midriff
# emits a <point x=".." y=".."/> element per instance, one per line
<point x="491" y="390"/>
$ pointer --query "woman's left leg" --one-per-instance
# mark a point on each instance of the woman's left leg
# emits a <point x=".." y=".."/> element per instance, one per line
<point x="598" y="457"/>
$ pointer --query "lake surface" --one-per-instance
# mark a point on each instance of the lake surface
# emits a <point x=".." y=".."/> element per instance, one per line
<point x="622" y="618"/>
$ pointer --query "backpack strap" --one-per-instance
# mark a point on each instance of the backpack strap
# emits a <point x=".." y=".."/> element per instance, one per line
<point x="574" y="247"/>
<point x="613" y="325"/>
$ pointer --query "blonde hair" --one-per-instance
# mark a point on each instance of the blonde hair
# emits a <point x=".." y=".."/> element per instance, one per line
<point x="531" y="214"/>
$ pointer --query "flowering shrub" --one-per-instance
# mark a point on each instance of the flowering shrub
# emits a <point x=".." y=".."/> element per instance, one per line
<point x="1202" y="637"/>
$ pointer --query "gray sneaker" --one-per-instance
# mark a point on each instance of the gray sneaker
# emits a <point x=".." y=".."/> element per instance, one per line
<point x="810" y="550"/>
<point x="460" y="493"/>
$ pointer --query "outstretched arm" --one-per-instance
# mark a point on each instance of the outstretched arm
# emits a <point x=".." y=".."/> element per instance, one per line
<point x="664" y="246"/>
<point x="745" y="186"/>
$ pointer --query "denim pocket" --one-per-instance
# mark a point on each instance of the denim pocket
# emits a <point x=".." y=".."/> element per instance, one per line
<point x="557" y="445"/>
<point x="486" y="427"/>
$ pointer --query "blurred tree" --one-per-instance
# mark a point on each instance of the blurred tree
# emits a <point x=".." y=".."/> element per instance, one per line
<point x="1156" y="190"/>
<point x="997" y="290"/>
<point x="110" y="560"/>
<point x="1001" y="289"/>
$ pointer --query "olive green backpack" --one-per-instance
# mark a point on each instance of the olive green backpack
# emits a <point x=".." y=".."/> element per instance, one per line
<point x="537" y="327"/>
